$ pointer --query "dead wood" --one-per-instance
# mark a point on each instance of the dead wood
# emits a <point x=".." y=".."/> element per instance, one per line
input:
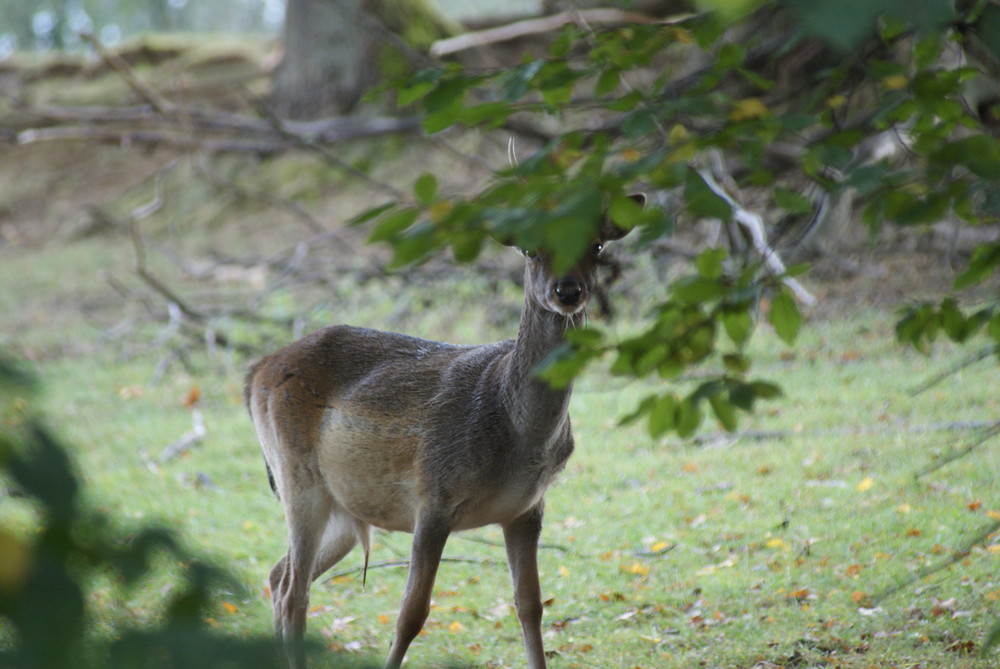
<point x="545" y="24"/>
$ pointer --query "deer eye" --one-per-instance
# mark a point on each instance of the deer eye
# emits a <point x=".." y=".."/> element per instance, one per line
<point x="597" y="248"/>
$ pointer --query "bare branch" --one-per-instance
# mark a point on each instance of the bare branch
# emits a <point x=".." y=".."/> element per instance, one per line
<point x="147" y="92"/>
<point x="754" y="225"/>
<point x="479" y="38"/>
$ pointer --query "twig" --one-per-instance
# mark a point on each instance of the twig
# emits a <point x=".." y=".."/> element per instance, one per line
<point x="153" y="282"/>
<point x="523" y="28"/>
<point x="190" y="439"/>
<point x="500" y="544"/>
<point x="980" y="439"/>
<point x="147" y="92"/>
<point x="951" y="371"/>
<point x="327" y="156"/>
<point x="298" y="211"/>
<point x="956" y="556"/>
<point x="754" y="225"/>
<point x="488" y="562"/>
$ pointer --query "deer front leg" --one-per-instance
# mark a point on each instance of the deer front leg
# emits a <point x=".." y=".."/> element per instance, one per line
<point x="429" y="538"/>
<point x="521" y="537"/>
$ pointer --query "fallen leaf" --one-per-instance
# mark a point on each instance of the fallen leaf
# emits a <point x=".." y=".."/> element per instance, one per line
<point x="636" y="568"/>
<point x="777" y="542"/>
<point x="895" y="82"/>
<point x="747" y="109"/>
<point x="455" y="627"/>
<point x="974" y="506"/>
<point x="866" y="483"/>
<point x="563" y="571"/>
<point x="230" y="608"/>
<point x="913" y="532"/>
<point x="904" y="508"/>
<point x="384" y="619"/>
<point x="192" y="396"/>
<point x="659" y="546"/>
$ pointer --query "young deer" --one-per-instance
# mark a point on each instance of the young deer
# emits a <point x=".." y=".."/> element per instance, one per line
<point x="362" y="428"/>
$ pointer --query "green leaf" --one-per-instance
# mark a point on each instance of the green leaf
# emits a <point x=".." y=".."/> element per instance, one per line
<point x="980" y="154"/>
<point x="744" y="395"/>
<point x="370" y="214"/>
<point x="425" y="188"/>
<point x="792" y="202"/>
<point x="702" y="200"/>
<point x="390" y="227"/>
<point x="689" y="417"/>
<point x="662" y="416"/>
<point x="724" y="411"/>
<point x="624" y="212"/>
<point x="414" y="245"/>
<point x="607" y="82"/>
<point x="645" y="406"/>
<point x="785" y="316"/>
<point x="699" y="290"/>
<point x="709" y="262"/>
<point x="738" y="324"/>
<point x="560" y="367"/>
<point x="985" y="260"/>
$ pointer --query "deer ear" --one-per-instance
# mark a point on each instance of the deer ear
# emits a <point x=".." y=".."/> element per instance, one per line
<point x="610" y="231"/>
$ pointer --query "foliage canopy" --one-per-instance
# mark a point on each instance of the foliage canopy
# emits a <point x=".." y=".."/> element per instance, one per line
<point x="799" y="100"/>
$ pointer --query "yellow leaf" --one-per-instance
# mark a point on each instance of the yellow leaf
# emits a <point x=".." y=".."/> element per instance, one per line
<point x="659" y="546"/>
<point x="836" y="101"/>
<point x="995" y="515"/>
<point x="440" y="209"/>
<point x="747" y="109"/>
<point x="563" y="571"/>
<point x="631" y="155"/>
<point x="690" y="467"/>
<point x="636" y="568"/>
<point x="866" y="484"/>
<point x="384" y="619"/>
<point x="15" y="563"/>
<point x="904" y="508"/>
<point x="230" y="608"/>
<point x="678" y="134"/>
<point x="895" y="82"/>
<point x="777" y="542"/>
<point x="455" y="627"/>
<point x="682" y="35"/>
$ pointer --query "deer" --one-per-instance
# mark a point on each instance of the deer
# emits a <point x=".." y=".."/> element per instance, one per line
<point x="365" y="429"/>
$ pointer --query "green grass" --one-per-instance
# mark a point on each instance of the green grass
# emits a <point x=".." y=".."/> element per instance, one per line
<point x="736" y="551"/>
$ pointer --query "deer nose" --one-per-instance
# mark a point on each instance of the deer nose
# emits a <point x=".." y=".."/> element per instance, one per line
<point x="568" y="290"/>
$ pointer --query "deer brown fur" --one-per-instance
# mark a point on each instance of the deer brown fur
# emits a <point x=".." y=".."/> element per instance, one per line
<point x="363" y="428"/>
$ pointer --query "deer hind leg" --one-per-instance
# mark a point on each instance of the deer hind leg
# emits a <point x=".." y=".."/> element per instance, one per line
<point x="521" y="538"/>
<point x="429" y="536"/>
<point x="318" y="537"/>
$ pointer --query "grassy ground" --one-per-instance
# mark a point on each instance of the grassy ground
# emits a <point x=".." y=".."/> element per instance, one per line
<point x="761" y="550"/>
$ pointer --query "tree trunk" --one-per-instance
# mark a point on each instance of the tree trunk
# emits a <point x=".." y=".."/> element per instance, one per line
<point x="330" y="58"/>
<point x="336" y="50"/>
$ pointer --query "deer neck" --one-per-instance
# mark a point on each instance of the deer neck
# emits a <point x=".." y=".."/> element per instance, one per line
<point x="535" y="407"/>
